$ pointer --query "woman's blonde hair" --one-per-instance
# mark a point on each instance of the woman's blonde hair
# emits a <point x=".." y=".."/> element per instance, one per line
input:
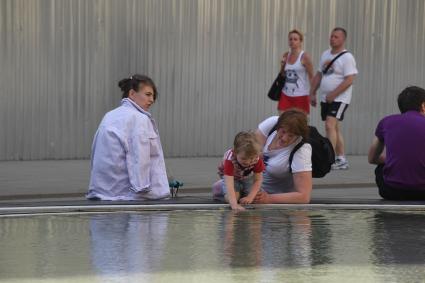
<point x="300" y="34"/>
<point x="246" y="143"/>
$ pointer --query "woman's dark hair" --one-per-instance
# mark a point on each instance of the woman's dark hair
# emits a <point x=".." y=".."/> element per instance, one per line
<point x="135" y="82"/>
<point x="411" y="98"/>
<point x="294" y="121"/>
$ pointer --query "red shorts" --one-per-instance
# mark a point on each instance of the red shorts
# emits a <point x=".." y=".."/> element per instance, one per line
<point x="300" y="102"/>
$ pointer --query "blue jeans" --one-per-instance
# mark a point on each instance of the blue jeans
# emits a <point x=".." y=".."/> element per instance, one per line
<point x="243" y="187"/>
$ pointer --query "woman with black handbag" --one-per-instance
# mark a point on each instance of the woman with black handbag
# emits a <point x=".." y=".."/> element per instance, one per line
<point x="298" y="72"/>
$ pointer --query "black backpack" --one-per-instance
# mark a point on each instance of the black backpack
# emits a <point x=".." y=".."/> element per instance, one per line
<point x="322" y="155"/>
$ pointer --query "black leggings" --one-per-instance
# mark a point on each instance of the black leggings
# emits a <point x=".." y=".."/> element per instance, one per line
<point x="392" y="193"/>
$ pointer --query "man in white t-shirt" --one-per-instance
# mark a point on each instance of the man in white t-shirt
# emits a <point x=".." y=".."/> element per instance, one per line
<point x="335" y="88"/>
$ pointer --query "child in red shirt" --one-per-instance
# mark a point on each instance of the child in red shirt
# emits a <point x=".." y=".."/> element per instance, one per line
<point x="241" y="171"/>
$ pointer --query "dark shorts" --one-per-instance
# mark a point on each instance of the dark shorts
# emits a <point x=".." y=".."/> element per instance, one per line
<point x="334" y="109"/>
<point x="392" y="193"/>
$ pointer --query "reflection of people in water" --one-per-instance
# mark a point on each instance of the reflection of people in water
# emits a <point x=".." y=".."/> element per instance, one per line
<point x="127" y="244"/>
<point x="288" y="240"/>
<point x="242" y="239"/>
<point x="275" y="238"/>
<point x="399" y="238"/>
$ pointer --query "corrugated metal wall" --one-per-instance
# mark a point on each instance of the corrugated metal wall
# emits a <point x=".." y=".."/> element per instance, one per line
<point x="213" y="61"/>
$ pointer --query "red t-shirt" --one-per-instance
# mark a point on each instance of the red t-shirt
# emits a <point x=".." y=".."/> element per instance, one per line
<point x="231" y="167"/>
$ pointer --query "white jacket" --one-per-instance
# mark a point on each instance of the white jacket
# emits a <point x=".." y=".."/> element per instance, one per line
<point x="127" y="161"/>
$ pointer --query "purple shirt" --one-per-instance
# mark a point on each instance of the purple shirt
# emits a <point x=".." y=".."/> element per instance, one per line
<point x="404" y="139"/>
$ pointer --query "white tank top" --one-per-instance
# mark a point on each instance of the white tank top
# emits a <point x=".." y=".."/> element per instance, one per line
<point x="297" y="83"/>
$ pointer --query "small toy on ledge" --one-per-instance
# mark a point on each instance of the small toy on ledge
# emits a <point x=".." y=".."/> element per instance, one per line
<point x="174" y="186"/>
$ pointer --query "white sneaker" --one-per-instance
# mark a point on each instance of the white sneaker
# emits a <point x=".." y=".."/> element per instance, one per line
<point x="340" y="165"/>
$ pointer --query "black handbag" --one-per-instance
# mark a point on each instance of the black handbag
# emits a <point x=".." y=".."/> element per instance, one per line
<point x="276" y="88"/>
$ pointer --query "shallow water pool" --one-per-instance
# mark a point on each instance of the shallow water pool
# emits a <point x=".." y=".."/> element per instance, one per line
<point x="214" y="246"/>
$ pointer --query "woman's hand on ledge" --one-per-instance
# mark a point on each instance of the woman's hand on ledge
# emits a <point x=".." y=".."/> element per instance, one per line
<point x="262" y="197"/>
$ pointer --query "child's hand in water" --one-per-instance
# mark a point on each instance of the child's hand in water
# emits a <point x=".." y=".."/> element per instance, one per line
<point x="237" y="207"/>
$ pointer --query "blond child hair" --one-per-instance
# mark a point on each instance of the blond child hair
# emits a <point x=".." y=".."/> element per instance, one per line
<point x="246" y="143"/>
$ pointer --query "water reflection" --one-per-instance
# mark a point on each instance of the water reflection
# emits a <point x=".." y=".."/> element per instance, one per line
<point x="39" y="247"/>
<point x="275" y="239"/>
<point x="399" y="238"/>
<point x="242" y="245"/>
<point x="127" y="243"/>
<point x="251" y="246"/>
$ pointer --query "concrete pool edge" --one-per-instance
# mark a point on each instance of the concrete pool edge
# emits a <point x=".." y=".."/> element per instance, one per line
<point x="183" y="190"/>
<point x="13" y="211"/>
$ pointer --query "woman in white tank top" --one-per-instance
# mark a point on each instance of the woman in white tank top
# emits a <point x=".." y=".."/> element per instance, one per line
<point x="299" y="72"/>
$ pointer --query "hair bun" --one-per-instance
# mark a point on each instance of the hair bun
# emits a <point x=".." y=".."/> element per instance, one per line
<point x="123" y="84"/>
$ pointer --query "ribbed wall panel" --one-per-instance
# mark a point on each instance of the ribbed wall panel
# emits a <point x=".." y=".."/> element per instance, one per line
<point x="213" y="62"/>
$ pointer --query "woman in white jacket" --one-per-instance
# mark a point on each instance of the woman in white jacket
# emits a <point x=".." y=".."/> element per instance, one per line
<point x="127" y="161"/>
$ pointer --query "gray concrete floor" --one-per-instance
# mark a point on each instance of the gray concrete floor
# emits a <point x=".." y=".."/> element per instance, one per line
<point x="69" y="178"/>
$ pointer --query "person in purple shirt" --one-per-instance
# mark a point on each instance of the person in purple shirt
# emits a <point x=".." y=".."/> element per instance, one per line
<point x="399" y="149"/>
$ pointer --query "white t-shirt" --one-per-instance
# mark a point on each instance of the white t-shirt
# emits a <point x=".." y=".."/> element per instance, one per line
<point x="276" y="177"/>
<point x="342" y="67"/>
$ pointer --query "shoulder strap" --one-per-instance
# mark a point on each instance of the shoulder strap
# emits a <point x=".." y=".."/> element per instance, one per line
<point x="272" y="130"/>
<point x="297" y="147"/>
<point x="333" y="60"/>
<point x="291" y="155"/>
<point x="300" y="57"/>
<point x="282" y="66"/>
